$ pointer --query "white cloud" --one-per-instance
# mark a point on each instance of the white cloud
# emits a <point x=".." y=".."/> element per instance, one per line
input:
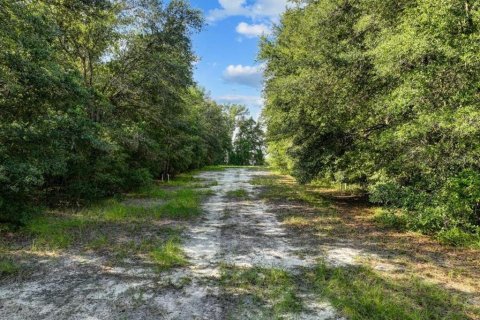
<point x="259" y="9"/>
<point x="251" y="76"/>
<point x="253" y="30"/>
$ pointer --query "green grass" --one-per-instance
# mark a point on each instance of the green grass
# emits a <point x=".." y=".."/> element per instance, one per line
<point x="184" y="204"/>
<point x="168" y="255"/>
<point x="8" y="267"/>
<point x="276" y="189"/>
<point x="56" y="231"/>
<point x="272" y="290"/>
<point x="238" y="193"/>
<point x="360" y="294"/>
<point x="156" y="191"/>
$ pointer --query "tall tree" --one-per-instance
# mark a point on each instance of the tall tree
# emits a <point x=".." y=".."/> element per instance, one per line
<point x="382" y="94"/>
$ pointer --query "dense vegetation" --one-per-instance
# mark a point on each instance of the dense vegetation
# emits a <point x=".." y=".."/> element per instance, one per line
<point x="97" y="97"/>
<point x="383" y="94"/>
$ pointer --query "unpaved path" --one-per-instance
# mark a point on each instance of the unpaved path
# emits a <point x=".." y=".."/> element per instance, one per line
<point x="242" y="232"/>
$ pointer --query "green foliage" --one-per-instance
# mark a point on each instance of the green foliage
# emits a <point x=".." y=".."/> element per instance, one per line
<point x="248" y="144"/>
<point x="391" y="219"/>
<point x="382" y="94"/>
<point x="458" y="237"/>
<point x="97" y="98"/>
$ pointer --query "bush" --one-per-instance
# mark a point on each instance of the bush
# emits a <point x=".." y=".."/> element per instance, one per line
<point x="139" y="178"/>
<point x="458" y="237"/>
<point x="392" y="219"/>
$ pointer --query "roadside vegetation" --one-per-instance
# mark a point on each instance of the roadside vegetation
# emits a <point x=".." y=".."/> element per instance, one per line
<point x="382" y="95"/>
<point x="398" y="275"/>
<point x="145" y="225"/>
<point x="97" y="98"/>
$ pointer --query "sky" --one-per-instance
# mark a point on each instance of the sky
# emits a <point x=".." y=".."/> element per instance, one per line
<point x="227" y="48"/>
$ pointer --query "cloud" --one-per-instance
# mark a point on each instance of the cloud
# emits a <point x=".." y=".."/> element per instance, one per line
<point x="253" y="30"/>
<point x="260" y="9"/>
<point x="251" y="76"/>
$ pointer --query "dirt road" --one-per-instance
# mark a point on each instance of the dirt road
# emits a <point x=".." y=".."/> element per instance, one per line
<point x="237" y="231"/>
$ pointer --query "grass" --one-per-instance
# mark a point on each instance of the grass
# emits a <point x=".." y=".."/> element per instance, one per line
<point x="8" y="267"/>
<point x="272" y="290"/>
<point x="238" y="194"/>
<point x="168" y="255"/>
<point x="184" y="204"/>
<point x="277" y="188"/>
<point x="434" y="281"/>
<point x="54" y="232"/>
<point x="61" y="230"/>
<point x="361" y="294"/>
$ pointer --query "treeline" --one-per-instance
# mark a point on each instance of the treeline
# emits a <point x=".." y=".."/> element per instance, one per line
<point x="384" y="94"/>
<point x="97" y="97"/>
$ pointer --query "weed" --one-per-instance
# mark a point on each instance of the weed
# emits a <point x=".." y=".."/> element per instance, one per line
<point x="458" y="237"/>
<point x="168" y="255"/>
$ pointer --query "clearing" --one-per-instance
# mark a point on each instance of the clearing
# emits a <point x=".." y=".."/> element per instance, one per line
<point x="231" y="243"/>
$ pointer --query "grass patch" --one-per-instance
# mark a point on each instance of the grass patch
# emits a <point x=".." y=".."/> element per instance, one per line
<point x="54" y="232"/>
<point x="238" y="193"/>
<point x="8" y="267"/>
<point x="360" y="293"/>
<point x="183" y="205"/>
<point x="283" y="188"/>
<point x="168" y="255"/>
<point x="155" y="191"/>
<point x="273" y="290"/>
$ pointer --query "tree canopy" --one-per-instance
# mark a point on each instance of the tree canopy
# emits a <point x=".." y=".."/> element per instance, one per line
<point x="384" y="94"/>
<point x="98" y="97"/>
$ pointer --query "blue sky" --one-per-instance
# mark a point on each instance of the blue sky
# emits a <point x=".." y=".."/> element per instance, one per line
<point x="227" y="48"/>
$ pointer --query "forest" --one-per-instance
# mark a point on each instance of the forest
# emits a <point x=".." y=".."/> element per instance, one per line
<point x="98" y="98"/>
<point x="382" y="95"/>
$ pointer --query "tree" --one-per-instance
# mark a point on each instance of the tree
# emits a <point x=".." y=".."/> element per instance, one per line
<point x="383" y="94"/>
<point x="248" y="144"/>
<point x="98" y="97"/>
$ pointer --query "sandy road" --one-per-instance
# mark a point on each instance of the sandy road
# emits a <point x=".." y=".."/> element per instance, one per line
<point x="240" y="232"/>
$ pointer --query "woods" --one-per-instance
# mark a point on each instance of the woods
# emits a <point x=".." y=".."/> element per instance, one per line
<point x="98" y="97"/>
<point x="383" y="95"/>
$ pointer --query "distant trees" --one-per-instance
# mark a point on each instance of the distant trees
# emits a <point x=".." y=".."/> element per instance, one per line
<point x="248" y="144"/>
<point x="97" y="97"/>
<point x="385" y="94"/>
